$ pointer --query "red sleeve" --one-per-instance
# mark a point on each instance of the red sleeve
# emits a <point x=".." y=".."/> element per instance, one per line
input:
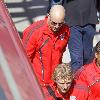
<point x="31" y="46"/>
<point x="80" y="88"/>
<point x="30" y="30"/>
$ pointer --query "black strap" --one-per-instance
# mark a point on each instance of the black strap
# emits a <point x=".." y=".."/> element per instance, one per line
<point x="51" y="92"/>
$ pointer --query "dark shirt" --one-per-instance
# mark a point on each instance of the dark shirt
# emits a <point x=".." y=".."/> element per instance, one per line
<point x="81" y="12"/>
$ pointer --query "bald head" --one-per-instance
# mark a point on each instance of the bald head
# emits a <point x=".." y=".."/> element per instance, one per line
<point x="56" y="18"/>
<point x="57" y="13"/>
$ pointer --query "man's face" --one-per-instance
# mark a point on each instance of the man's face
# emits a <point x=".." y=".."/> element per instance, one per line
<point x="63" y="84"/>
<point x="55" y="25"/>
<point x="97" y="55"/>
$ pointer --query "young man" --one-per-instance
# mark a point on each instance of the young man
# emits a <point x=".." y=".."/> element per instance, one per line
<point x="62" y="77"/>
<point x="87" y="81"/>
<point x="45" y="42"/>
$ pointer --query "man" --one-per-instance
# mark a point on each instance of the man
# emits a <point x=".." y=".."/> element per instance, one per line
<point x="81" y="16"/>
<point x="87" y="79"/>
<point x="45" y="43"/>
<point x="62" y="77"/>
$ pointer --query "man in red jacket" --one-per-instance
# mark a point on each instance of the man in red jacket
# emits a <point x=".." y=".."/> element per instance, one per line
<point x="45" y="41"/>
<point x="63" y="78"/>
<point x="87" y="81"/>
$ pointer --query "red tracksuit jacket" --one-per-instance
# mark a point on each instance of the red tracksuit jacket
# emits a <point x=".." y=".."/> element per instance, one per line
<point x="87" y="83"/>
<point x="44" y="48"/>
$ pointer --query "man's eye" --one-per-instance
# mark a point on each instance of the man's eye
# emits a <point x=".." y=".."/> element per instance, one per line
<point x="68" y="83"/>
<point x="61" y="83"/>
<point x="53" y="23"/>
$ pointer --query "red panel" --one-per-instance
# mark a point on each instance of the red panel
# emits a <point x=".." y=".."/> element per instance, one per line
<point x="17" y="79"/>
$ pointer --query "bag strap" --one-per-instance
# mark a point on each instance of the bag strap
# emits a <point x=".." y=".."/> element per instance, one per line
<point x="51" y="92"/>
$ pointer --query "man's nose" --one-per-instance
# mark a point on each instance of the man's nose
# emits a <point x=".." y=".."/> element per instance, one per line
<point x="57" y="25"/>
<point x="65" y="86"/>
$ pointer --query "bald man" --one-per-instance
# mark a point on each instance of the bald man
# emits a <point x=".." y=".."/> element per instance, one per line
<point x="45" y="41"/>
<point x="56" y="18"/>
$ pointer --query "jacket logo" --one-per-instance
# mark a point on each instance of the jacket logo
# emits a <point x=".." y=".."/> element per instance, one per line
<point x="62" y="36"/>
<point x="72" y="98"/>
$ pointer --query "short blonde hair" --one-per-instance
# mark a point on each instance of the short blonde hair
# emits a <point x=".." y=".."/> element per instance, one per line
<point x="62" y="70"/>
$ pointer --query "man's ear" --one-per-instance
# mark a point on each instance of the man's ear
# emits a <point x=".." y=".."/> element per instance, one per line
<point x="48" y="21"/>
<point x="48" y="15"/>
<point x="56" y="81"/>
<point x="96" y="55"/>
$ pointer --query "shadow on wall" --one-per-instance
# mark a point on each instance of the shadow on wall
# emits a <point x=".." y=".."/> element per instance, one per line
<point x="26" y="10"/>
